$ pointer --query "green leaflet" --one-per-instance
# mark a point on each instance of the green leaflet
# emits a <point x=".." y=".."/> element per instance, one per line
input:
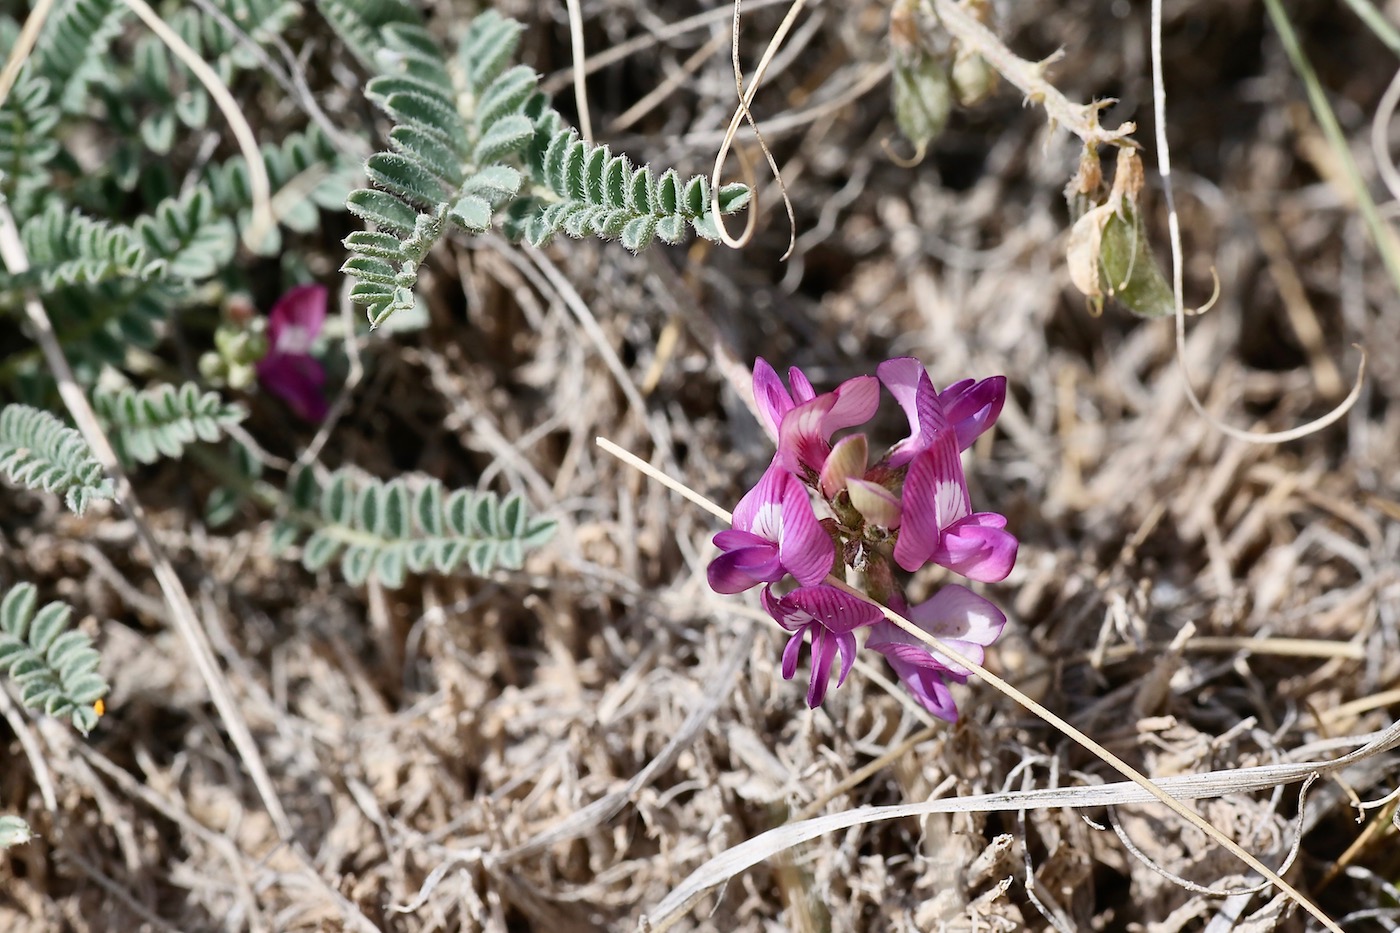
<point x="40" y="452"/>
<point x="160" y="421"/>
<point x="477" y="143"/>
<point x="388" y="530"/>
<point x="53" y="665"/>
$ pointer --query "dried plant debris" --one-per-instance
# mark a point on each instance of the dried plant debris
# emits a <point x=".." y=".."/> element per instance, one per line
<point x="563" y="740"/>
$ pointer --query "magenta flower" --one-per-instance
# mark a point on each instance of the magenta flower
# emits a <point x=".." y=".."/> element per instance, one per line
<point x="973" y="406"/>
<point x="939" y="524"/>
<point x="910" y="508"/>
<point x="830" y="616"/>
<point x="967" y="408"/>
<point x="958" y="617"/>
<point x="289" y="371"/>
<point x="775" y="533"/>
<point x="802" y="422"/>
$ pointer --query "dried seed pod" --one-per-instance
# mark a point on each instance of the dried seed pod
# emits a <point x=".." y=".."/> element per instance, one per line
<point x="1130" y="271"/>
<point x="1108" y="252"/>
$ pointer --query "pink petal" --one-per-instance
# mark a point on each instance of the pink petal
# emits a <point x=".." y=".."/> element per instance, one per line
<point x="960" y="618"/>
<point x="760" y="509"/>
<point x="731" y="539"/>
<point x="297" y="380"/>
<point x="923" y="674"/>
<point x="911" y="387"/>
<point x="836" y="610"/>
<point x="979" y="548"/>
<point x="955" y="613"/>
<point x="847" y="645"/>
<point x="934" y="497"/>
<point x="736" y="571"/>
<point x="804" y="546"/>
<point x="802" y="390"/>
<point x="856" y="401"/>
<point x="823" y="653"/>
<point x="295" y="321"/>
<point x="929" y="687"/>
<point x="771" y="399"/>
<point x="791" y="651"/>
<point x="802" y="441"/>
<point x="972" y="408"/>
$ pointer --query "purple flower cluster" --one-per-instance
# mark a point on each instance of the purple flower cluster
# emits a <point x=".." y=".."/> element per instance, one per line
<point x="911" y="507"/>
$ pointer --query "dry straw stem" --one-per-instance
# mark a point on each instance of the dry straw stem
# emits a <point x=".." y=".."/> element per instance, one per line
<point x="560" y="79"/>
<point x="1080" y="119"/>
<point x="42" y="776"/>
<point x="182" y="611"/>
<point x="259" y="187"/>
<point x="1384" y="238"/>
<point x="1233" y="782"/>
<point x="1380" y="137"/>
<point x="28" y="35"/>
<point x="585" y="120"/>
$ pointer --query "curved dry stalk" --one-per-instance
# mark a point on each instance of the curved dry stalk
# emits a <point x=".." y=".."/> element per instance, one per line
<point x="259" y="187"/>
<point x="1192" y="886"/>
<point x="32" y="751"/>
<point x="1205" y="786"/>
<point x="1164" y="168"/>
<point x="743" y="114"/>
<point x="613" y="54"/>
<point x="1380" y="133"/>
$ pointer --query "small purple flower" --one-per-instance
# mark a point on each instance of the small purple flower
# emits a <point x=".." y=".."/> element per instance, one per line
<point x="968" y="408"/>
<point x="939" y="524"/>
<point x="775" y="533"/>
<point x="973" y="406"/>
<point x="958" y="617"/>
<point x="289" y="371"/>
<point x="830" y="616"/>
<point x="802" y="422"/>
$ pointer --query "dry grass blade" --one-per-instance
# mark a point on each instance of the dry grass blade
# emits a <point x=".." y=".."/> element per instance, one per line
<point x="1183" y="787"/>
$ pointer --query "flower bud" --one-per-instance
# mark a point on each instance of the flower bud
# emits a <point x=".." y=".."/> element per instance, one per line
<point x="847" y="459"/>
<point x="241" y="376"/>
<point x="923" y="99"/>
<point x="1108" y="252"/>
<point x="213" y="368"/>
<point x="921" y="89"/>
<point x="973" y="79"/>
<point x="877" y="504"/>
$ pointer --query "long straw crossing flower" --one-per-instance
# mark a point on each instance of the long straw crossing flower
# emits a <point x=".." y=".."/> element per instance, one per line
<point x="910" y="508"/>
